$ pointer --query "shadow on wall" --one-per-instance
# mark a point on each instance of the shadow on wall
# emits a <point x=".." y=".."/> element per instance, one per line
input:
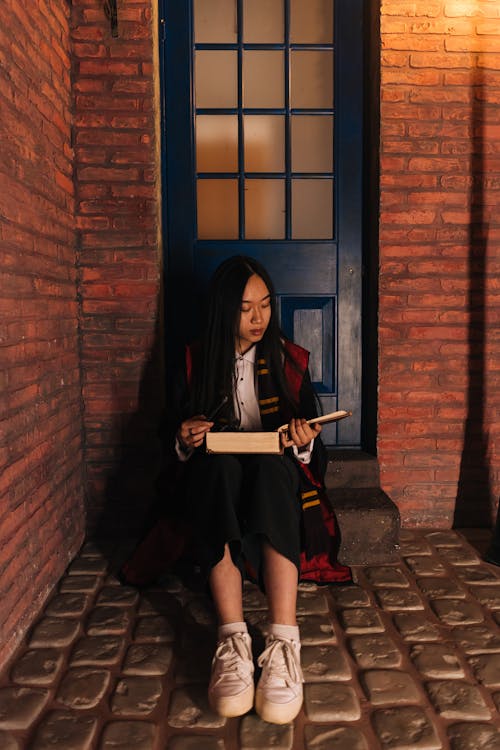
<point x="475" y="502"/>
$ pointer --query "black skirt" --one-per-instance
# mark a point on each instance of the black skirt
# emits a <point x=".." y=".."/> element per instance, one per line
<point x="241" y="501"/>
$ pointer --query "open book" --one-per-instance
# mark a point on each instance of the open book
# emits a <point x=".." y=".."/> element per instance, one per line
<point x="260" y="442"/>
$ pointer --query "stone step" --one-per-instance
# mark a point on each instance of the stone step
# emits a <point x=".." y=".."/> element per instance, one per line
<point x="348" y="467"/>
<point x="369" y="525"/>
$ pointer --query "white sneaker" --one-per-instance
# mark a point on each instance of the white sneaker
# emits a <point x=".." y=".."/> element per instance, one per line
<point x="279" y="693"/>
<point x="231" y="687"/>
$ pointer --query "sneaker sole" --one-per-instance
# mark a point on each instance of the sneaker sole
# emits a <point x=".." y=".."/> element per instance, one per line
<point x="277" y="713"/>
<point x="233" y="705"/>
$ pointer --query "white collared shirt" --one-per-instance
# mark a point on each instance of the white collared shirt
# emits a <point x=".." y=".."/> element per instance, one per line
<point x="246" y="404"/>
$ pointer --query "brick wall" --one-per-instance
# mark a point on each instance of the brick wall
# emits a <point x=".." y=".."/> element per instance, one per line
<point x="41" y="505"/>
<point x="117" y="177"/>
<point x="439" y="349"/>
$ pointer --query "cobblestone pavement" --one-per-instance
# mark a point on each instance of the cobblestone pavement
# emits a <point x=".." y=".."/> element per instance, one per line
<point x="407" y="659"/>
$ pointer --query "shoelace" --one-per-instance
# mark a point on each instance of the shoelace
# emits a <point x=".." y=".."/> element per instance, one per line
<point x="280" y="659"/>
<point x="233" y="653"/>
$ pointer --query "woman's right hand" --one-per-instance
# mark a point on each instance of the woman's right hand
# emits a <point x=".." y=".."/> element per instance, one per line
<point x="192" y="431"/>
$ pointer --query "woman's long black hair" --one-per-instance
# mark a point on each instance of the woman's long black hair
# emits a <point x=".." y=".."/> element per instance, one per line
<point x="214" y="373"/>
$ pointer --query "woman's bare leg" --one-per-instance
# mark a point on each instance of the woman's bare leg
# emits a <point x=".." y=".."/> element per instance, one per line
<point x="280" y="579"/>
<point x="226" y="588"/>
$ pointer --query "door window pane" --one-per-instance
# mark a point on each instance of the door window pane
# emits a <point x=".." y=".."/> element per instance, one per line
<point x="217" y="143"/>
<point x="311" y="21"/>
<point x="215" y="21"/>
<point x="263" y="21"/>
<point x="264" y="138"/>
<point x="312" y="209"/>
<point x="216" y="78"/>
<point x="312" y="78"/>
<point x="263" y="78"/>
<point x="217" y="209"/>
<point x="312" y="143"/>
<point x="264" y="209"/>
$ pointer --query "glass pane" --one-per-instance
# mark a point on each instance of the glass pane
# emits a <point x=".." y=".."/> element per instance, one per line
<point x="312" y="209"/>
<point x="312" y="78"/>
<point x="264" y="137"/>
<point x="217" y="143"/>
<point x="263" y="78"/>
<point x="264" y="209"/>
<point x="312" y="143"/>
<point x="216" y="78"/>
<point x="263" y="21"/>
<point x="217" y="209"/>
<point x="311" y="21"/>
<point x="215" y="21"/>
<point x="308" y="332"/>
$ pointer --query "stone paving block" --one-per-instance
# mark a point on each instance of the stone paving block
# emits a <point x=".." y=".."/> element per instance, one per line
<point x="20" y="706"/>
<point x="97" y="651"/>
<point x="39" y="666"/>
<point x="108" y="620"/>
<point x="486" y="668"/>
<point x="189" y="708"/>
<point x="256" y="734"/>
<point x="350" y="596"/>
<point x="95" y="549"/>
<point x="331" y="702"/>
<point x="54" y="631"/>
<point x="393" y="600"/>
<point x="148" y="659"/>
<point x="66" y="731"/>
<point x="83" y="584"/>
<point x="128" y="735"/>
<point x="88" y="566"/>
<point x="257" y="621"/>
<point x="457" y="611"/>
<point x="407" y="728"/>
<point x="441" y="588"/>
<point x="201" y="611"/>
<point x="336" y="738"/>
<point x="415" y="626"/>
<point x="119" y="596"/>
<point x="476" y="574"/>
<point x="8" y="741"/>
<point x="415" y="547"/>
<point x="158" y="603"/>
<point x="324" y="663"/>
<point x="198" y="742"/>
<point x="496" y="617"/>
<point x="436" y="660"/>
<point x="390" y="686"/>
<point x="425" y="566"/>
<point x="315" y="629"/>
<point x="444" y="538"/>
<point x="67" y="605"/>
<point x="372" y="651"/>
<point x="253" y="599"/>
<point x="459" y="556"/>
<point x="465" y="736"/>
<point x="477" y="639"/>
<point x="386" y="576"/>
<point x="456" y="699"/>
<point x="488" y="595"/>
<point x="83" y="688"/>
<point x="156" y="628"/>
<point x="136" y="696"/>
<point x="361" y="620"/>
<point x="311" y="603"/>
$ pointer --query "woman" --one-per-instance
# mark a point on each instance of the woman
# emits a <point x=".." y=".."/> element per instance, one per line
<point x="258" y="512"/>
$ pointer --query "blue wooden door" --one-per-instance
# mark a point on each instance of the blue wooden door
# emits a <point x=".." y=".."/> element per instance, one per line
<point x="262" y="137"/>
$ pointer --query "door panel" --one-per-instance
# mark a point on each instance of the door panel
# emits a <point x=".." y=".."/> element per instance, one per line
<point x="262" y="131"/>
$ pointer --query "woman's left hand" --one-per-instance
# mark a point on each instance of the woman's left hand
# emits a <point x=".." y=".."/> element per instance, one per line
<point x="299" y="433"/>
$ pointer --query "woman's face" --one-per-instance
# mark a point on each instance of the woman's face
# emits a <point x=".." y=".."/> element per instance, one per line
<point x="255" y="313"/>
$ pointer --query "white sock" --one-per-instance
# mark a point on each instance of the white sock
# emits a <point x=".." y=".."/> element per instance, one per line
<point x="288" y="632"/>
<point x="230" y="628"/>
